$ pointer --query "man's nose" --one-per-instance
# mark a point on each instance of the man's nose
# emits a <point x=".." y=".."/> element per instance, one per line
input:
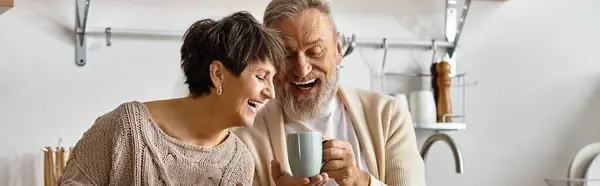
<point x="302" y="66"/>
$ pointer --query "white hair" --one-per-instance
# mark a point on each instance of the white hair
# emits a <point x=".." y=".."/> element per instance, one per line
<point x="285" y="9"/>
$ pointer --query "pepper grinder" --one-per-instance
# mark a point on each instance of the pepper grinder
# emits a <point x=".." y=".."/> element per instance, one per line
<point x="444" y="105"/>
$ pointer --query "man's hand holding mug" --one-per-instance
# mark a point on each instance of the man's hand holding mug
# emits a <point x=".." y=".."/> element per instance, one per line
<point x="340" y="164"/>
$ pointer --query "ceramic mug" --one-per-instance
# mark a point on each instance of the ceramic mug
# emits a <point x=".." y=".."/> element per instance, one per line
<point x="422" y="107"/>
<point x="305" y="153"/>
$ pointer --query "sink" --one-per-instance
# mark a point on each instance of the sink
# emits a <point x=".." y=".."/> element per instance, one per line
<point x="571" y="182"/>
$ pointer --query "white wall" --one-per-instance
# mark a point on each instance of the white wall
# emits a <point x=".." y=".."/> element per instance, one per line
<point x="537" y="101"/>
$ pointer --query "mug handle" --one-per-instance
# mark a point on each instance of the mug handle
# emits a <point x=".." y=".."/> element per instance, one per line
<point x="323" y="161"/>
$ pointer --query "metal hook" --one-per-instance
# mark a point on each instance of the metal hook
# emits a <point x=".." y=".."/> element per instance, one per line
<point x="352" y="42"/>
<point x="434" y="50"/>
<point x="108" y="35"/>
<point x="60" y="142"/>
<point x="384" y="45"/>
<point x="47" y="149"/>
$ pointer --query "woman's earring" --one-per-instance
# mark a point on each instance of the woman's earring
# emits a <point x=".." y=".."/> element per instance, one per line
<point x="219" y="91"/>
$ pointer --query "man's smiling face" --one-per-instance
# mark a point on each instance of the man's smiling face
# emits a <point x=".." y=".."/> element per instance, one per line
<point x="308" y="80"/>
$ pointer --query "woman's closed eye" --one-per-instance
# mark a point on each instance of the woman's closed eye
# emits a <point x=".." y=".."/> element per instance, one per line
<point x="260" y="78"/>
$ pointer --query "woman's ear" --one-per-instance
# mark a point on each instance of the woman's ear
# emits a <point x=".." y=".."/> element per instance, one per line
<point x="216" y="74"/>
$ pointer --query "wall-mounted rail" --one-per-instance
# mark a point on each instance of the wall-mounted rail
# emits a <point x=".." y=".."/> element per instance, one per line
<point x="453" y="29"/>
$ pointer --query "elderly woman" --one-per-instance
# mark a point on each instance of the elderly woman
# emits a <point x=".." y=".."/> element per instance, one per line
<point x="229" y="66"/>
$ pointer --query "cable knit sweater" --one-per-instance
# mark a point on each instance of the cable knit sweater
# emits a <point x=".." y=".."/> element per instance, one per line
<point x="125" y="147"/>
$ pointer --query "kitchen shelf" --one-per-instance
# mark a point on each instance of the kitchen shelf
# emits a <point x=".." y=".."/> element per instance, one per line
<point x="571" y="181"/>
<point x="459" y="122"/>
<point x="442" y="126"/>
<point x="453" y="26"/>
<point x="421" y="75"/>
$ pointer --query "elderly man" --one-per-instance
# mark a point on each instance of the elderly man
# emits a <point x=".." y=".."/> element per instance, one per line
<point x="372" y="139"/>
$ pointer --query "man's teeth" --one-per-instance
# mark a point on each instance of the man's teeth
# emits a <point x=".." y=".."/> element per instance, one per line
<point x="305" y="82"/>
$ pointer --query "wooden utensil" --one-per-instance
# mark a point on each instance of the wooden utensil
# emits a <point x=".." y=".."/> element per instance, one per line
<point x="444" y="105"/>
<point x="46" y="167"/>
<point x="49" y="173"/>
<point x="60" y="161"/>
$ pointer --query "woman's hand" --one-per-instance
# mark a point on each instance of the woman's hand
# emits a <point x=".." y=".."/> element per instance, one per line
<point x="283" y="178"/>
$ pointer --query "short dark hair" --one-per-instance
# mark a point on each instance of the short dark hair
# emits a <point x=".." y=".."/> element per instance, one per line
<point x="235" y="41"/>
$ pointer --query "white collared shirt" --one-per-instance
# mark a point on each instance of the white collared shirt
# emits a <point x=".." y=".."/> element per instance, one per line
<point x="336" y="125"/>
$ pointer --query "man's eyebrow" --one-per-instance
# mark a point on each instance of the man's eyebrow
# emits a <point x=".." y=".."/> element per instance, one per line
<point x="315" y="41"/>
<point x="308" y="44"/>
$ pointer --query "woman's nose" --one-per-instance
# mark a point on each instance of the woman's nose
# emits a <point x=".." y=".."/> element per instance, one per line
<point x="269" y="92"/>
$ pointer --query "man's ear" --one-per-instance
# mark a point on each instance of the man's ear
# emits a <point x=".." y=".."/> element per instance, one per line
<point x="339" y="48"/>
<point x="216" y="73"/>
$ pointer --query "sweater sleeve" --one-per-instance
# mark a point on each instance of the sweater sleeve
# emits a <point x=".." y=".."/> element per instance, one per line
<point x="75" y="175"/>
<point x="404" y="165"/>
<point x="92" y="161"/>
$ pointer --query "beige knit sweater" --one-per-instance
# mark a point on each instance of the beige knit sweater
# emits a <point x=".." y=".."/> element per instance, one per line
<point x="382" y="123"/>
<point x="125" y="147"/>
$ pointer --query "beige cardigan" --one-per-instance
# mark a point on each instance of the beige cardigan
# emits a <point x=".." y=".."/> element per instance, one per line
<point x="383" y="126"/>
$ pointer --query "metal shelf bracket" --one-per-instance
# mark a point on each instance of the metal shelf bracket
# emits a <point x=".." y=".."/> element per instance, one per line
<point x="450" y="25"/>
<point x="454" y="24"/>
<point x="81" y="14"/>
<point x="453" y="27"/>
<point x="450" y="30"/>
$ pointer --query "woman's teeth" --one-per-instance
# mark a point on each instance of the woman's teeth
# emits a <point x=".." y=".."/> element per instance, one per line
<point x="254" y="104"/>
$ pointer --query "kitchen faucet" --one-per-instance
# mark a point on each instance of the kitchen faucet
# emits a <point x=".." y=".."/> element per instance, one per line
<point x="455" y="151"/>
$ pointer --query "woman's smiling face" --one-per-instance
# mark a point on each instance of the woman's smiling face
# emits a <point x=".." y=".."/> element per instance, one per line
<point x="249" y="91"/>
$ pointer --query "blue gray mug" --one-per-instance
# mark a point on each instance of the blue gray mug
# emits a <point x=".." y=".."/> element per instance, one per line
<point x="305" y="153"/>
